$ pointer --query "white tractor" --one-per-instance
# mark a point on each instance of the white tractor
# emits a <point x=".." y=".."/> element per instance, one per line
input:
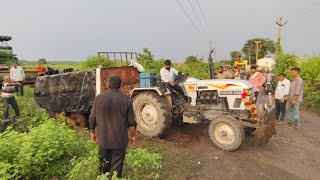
<point x="228" y="104"/>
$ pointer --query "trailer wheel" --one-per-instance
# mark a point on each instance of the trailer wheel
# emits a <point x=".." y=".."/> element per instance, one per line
<point x="226" y="133"/>
<point x="80" y="119"/>
<point x="153" y="114"/>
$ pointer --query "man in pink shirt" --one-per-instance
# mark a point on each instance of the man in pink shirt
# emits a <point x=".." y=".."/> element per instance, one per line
<point x="257" y="79"/>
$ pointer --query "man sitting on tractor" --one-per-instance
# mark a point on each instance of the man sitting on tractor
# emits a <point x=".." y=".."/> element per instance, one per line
<point x="167" y="74"/>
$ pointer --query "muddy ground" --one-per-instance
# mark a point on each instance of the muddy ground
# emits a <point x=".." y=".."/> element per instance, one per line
<point x="291" y="154"/>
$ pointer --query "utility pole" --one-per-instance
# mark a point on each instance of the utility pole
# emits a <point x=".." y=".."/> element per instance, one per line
<point x="257" y="49"/>
<point x="249" y="57"/>
<point x="280" y="27"/>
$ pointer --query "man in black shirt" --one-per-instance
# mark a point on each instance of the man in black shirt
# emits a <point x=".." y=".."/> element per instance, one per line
<point x="112" y="114"/>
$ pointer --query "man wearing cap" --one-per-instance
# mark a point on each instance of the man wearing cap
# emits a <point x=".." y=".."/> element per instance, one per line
<point x="167" y="74"/>
<point x="17" y="74"/>
<point x="7" y="94"/>
<point x="112" y="114"/>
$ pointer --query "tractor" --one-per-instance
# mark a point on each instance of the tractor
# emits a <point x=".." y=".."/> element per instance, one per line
<point x="228" y="105"/>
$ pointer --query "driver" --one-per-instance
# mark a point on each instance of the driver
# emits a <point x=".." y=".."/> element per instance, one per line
<point x="167" y="74"/>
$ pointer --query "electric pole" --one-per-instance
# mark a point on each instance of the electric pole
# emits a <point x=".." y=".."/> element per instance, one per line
<point x="280" y="27"/>
<point x="249" y="57"/>
<point x="257" y="49"/>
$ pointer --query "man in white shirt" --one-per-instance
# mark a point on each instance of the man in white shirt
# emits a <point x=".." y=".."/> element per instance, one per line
<point x="167" y="74"/>
<point x="17" y="75"/>
<point x="281" y="95"/>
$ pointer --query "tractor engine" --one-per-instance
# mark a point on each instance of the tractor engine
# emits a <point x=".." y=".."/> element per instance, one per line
<point x="207" y="97"/>
<point x="210" y="103"/>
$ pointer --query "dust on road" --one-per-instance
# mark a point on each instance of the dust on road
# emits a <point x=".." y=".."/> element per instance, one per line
<point x="291" y="154"/>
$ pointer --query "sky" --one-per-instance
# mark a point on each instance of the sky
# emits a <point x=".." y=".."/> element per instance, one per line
<point x="72" y="30"/>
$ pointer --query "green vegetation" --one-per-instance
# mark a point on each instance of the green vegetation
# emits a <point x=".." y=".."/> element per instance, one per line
<point x="309" y="73"/>
<point x="40" y="147"/>
<point x="311" y="76"/>
<point x="266" y="46"/>
<point x="93" y="62"/>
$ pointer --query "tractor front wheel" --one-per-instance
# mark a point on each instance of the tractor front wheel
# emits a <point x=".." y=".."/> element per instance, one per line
<point x="226" y="133"/>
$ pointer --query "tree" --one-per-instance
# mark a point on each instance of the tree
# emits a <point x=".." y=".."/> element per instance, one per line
<point x="93" y="62"/>
<point x="284" y="63"/>
<point x="145" y="58"/>
<point x="266" y="46"/>
<point x="191" y="59"/>
<point x="42" y="61"/>
<point x="279" y="48"/>
<point x="235" y="55"/>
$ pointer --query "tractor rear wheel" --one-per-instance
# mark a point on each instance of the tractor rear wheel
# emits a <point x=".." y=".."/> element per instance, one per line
<point x="226" y="133"/>
<point x="153" y="114"/>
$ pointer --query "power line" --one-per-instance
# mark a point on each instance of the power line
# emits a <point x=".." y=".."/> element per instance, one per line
<point x="197" y="16"/>
<point x="205" y="21"/>
<point x="190" y="19"/>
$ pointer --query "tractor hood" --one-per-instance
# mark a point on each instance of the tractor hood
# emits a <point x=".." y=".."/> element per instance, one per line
<point x="219" y="83"/>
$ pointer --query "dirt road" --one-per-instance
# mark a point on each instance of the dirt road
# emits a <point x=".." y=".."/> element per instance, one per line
<point x="291" y="154"/>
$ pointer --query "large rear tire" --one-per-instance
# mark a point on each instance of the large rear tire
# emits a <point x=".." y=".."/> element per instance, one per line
<point x="153" y="115"/>
<point x="226" y="133"/>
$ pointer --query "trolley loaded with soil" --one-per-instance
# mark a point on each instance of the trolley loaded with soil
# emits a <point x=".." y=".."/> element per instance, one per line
<point x="227" y="104"/>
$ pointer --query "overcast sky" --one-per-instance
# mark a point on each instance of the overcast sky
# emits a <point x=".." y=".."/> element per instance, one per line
<point x="76" y="29"/>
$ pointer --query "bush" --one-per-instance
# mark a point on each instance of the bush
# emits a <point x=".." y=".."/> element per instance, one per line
<point x="309" y="73"/>
<point x="39" y="147"/>
<point x="93" y="62"/>
<point x="80" y="166"/>
<point x="142" y="164"/>
<point x="284" y="63"/>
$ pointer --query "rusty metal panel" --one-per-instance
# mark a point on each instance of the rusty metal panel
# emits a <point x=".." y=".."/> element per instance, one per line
<point x="129" y="75"/>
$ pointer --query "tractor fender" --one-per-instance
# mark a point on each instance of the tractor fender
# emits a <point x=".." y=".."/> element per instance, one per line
<point x="156" y="90"/>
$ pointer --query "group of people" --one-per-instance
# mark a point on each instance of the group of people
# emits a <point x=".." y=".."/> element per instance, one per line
<point x="285" y="91"/>
<point x="12" y="84"/>
<point x="291" y="92"/>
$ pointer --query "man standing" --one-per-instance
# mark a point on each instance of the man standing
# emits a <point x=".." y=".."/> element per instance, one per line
<point x="281" y="95"/>
<point x="167" y="74"/>
<point x="17" y="75"/>
<point x="8" y="97"/>
<point x="257" y="79"/>
<point x="223" y="74"/>
<point x="112" y="114"/>
<point x="295" y="98"/>
<point x="269" y="76"/>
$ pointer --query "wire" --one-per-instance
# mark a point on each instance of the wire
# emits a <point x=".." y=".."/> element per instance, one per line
<point x="205" y="21"/>
<point x="197" y="16"/>
<point x="192" y="22"/>
<point x="190" y="19"/>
